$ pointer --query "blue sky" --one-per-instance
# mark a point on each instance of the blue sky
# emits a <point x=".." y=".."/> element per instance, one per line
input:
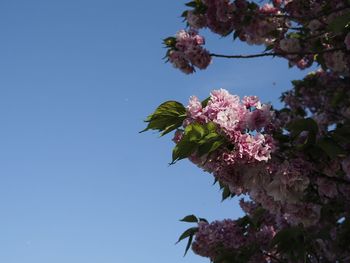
<point x="78" y="184"/>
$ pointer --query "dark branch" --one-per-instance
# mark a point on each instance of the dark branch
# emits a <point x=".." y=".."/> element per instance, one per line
<point x="276" y="54"/>
<point x="273" y="257"/>
<point x="319" y="15"/>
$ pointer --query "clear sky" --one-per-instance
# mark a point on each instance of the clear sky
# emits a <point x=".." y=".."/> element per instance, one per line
<point x="78" y="184"/>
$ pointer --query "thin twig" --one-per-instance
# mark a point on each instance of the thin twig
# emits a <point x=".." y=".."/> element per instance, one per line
<point x="274" y="54"/>
<point x="310" y="17"/>
<point x="272" y="257"/>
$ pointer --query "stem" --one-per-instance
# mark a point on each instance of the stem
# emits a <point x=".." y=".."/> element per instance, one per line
<point x="273" y="257"/>
<point x="310" y="17"/>
<point x="315" y="36"/>
<point x="274" y="54"/>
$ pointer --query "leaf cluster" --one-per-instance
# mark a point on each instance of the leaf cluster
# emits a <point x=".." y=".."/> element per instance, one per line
<point x="198" y="7"/>
<point x="202" y="139"/>
<point x="340" y="23"/>
<point x="329" y="145"/>
<point x="291" y="242"/>
<point x="189" y="233"/>
<point x="166" y="118"/>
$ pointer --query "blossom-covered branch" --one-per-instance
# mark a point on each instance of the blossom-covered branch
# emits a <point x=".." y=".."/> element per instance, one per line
<point x="293" y="163"/>
<point x="313" y="32"/>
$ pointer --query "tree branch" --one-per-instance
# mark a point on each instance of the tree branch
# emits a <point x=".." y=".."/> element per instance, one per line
<point x="319" y="15"/>
<point x="275" y="54"/>
<point x="273" y="257"/>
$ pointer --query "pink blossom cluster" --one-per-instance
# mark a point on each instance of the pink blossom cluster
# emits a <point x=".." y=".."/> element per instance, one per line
<point x="186" y="51"/>
<point x="218" y="16"/>
<point x="228" y="236"/>
<point x="222" y="17"/>
<point x="322" y="93"/>
<point x="256" y="165"/>
<point x="337" y="61"/>
<point x="277" y="187"/>
<point x="292" y="163"/>
<point x="252" y="165"/>
<point x="281" y="27"/>
<point x="241" y="121"/>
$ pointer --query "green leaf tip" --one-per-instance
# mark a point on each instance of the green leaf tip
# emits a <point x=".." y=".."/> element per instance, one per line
<point x="190" y="219"/>
<point x="167" y="117"/>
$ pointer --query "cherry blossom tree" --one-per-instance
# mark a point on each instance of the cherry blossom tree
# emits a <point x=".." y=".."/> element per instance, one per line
<point x="292" y="163"/>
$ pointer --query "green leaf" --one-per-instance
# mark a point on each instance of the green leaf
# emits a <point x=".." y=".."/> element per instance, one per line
<point x="244" y="221"/>
<point x="209" y="147"/>
<point x="189" y="142"/>
<point x="298" y="126"/>
<point x="210" y="137"/>
<point x="291" y="242"/>
<point x="205" y="102"/>
<point x="295" y="35"/>
<point x="169" y="41"/>
<point x="191" y="4"/>
<point x="269" y="47"/>
<point x="236" y="34"/>
<point x="198" y="138"/>
<point x="183" y="150"/>
<point x="188" y="244"/>
<point x="203" y="220"/>
<point x="189" y="232"/>
<point x="196" y="132"/>
<point x="282" y="138"/>
<point x="184" y="14"/>
<point x="342" y="133"/>
<point x="331" y="148"/>
<point x="226" y="193"/>
<point x="337" y="98"/>
<point x="258" y="216"/>
<point x="166" y="118"/>
<point x="190" y="219"/>
<point x="339" y="23"/>
<point x="215" y="145"/>
<point x="211" y="126"/>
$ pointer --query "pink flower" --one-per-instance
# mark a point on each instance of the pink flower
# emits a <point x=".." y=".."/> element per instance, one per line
<point x="251" y="101"/>
<point x="258" y="148"/>
<point x="198" y="56"/>
<point x="188" y="53"/>
<point x="268" y="9"/>
<point x="290" y="45"/>
<point x="228" y="119"/>
<point x="306" y="213"/>
<point x="289" y="182"/>
<point x="277" y="2"/>
<point x="196" y="21"/>
<point x="347" y="41"/>
<point x="336" y="61"/>
<point x="194" y="107"/>
<point x="346" y="166"/>
<point x="179" y="61"/>
<point x="327" y="188"/>
<point x="259" y="118"/>
<point x="314" y="25"/>
<point x="223" y="97"/>
<point x="302" y="64"/>
<point x="178" y="136"/>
